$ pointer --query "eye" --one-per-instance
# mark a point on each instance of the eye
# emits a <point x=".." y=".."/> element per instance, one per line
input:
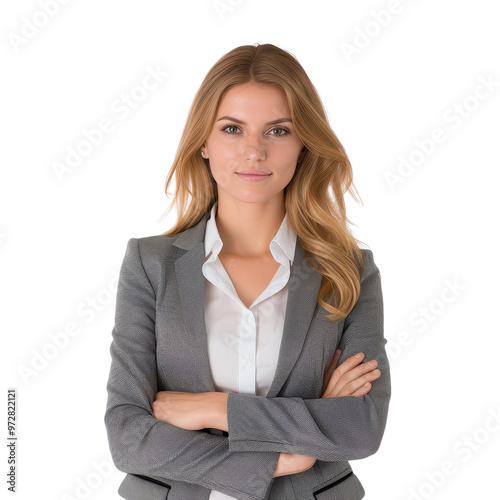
<point x="282" y="129"/>
<point x="229" y="126"/>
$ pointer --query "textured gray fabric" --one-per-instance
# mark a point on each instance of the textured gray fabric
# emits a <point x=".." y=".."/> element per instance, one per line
<point x="160" y="343"/>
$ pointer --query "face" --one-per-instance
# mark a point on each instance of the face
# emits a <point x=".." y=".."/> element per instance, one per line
<point x="253" y="132"/>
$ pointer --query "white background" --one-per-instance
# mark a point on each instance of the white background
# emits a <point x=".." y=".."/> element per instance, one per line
<point x="434" y="234"/>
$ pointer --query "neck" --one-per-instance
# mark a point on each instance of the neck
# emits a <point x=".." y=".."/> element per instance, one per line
<point x="246" y="229"/>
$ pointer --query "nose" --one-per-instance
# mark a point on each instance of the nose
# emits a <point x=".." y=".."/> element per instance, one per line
<point x="253" y="150"/>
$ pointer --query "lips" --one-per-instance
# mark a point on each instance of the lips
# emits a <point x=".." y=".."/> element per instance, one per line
<point x="253" y="175"/>
<point x="253" y="172"/>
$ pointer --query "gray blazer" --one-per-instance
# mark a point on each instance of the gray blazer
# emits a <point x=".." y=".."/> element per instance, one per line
<point x="160" y="343"/>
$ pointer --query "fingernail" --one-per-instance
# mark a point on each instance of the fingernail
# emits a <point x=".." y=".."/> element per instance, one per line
<point x="358" y="355"/>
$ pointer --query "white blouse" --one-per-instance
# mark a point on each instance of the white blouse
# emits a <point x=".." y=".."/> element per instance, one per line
<point x="244" y="343"/>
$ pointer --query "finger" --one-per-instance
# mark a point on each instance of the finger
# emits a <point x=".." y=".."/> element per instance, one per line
<point x="345" y="384"/>
<point x="350" y="363"/>
<point x="365" y="389"/>
<point x="349" y="388"/>
<point x="354" y="387"/>
<point x="359" y="371"/>
<point x="344" y="368"/>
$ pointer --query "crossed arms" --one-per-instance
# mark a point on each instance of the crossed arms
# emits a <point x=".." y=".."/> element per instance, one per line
<point x="258" y="447"/>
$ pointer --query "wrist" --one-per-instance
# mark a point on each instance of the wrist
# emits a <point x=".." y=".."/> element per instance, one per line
<point x="216" y="411"/>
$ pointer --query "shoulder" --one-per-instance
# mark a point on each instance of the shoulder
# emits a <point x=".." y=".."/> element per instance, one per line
<point x="149" y="258"/>
<point x="369" y="266"/>
<point x="150" y="250"/>
<point x="150" y="246"/>
<point x="370" y="301"/>
<point x="162" y="247"/>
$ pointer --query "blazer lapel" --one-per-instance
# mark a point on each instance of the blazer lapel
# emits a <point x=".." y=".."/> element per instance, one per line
<point x="303" y="288"/>
<point x="191" y="286"/>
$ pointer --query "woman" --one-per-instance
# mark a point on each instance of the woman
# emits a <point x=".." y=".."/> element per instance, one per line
<point x="234" y="369"/>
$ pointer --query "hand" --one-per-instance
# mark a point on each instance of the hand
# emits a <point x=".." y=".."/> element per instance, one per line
<point x="349" y="379"/>
<point x="291" y="463"/>
<point x="195" y="411"/>
<point x="191" y="410"/>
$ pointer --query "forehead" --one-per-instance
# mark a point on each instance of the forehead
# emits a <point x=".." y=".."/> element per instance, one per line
<point x="255" y="99"/>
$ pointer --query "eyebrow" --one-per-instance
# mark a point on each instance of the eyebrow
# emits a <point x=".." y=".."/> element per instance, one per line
<point x="274" y="122"/>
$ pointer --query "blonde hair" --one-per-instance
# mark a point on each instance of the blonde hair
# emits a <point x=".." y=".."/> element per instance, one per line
<point x="318" y="218"/>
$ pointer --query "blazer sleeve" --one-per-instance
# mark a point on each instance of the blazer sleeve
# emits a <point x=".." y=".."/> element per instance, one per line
<point x="329" y="429"/>
<point x="140" y="443"/>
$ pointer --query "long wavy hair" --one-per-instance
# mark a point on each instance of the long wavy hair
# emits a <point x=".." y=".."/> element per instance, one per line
<point x="314" y="198"/>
